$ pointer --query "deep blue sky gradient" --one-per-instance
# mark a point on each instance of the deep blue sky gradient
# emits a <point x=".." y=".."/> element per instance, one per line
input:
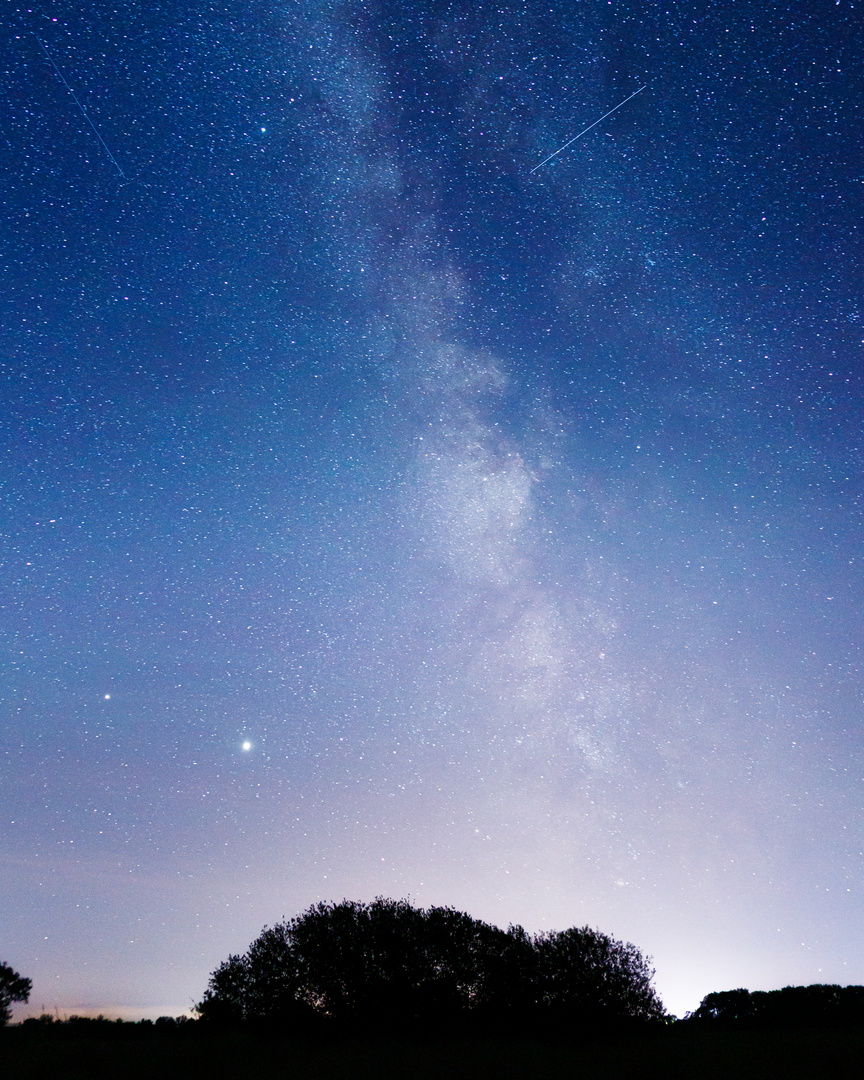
<point x="513" y="519"/>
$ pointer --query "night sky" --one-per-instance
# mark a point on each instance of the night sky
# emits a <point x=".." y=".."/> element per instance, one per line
<point x="383" y="517"/>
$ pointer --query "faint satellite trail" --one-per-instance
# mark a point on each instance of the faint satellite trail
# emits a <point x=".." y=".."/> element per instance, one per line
<point x="587" y="129"/>
<point x="80" y="106"/>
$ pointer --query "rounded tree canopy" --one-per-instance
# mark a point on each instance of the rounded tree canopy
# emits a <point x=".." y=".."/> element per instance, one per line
<point x="388" y="964"/>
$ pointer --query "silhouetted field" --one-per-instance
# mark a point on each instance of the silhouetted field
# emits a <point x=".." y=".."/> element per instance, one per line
<point x="681" y="1051"/>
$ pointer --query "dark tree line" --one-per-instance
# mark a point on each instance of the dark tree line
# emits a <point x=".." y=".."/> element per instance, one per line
<point x="388" y="965"/>
<point x="792" y="1006"/>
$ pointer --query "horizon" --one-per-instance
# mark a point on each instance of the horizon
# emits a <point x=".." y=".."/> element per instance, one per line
<point x="148" y="1010"/>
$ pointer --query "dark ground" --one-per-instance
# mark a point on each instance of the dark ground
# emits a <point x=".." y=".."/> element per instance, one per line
<point x="686" y="1053"/>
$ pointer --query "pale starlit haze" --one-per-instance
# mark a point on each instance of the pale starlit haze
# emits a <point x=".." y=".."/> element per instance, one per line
<point x="384" y="514"/>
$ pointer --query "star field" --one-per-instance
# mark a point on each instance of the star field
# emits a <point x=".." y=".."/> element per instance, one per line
<point x="381" y="517"/>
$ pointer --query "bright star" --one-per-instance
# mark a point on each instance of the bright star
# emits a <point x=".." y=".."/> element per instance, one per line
<point x="246" y="746"/>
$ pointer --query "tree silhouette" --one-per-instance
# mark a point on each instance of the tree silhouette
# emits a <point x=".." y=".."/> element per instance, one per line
<point x="388" y="964"/>
<point x="13" y="987"/>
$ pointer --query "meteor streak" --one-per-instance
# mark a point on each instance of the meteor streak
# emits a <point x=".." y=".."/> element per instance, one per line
<point x="80" y="106"/>
<point x="581" y="133"/>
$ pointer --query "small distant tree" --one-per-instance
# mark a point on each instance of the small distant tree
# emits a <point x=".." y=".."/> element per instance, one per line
<point x="726" y="1006"/>
<point x="13" y="987"/>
